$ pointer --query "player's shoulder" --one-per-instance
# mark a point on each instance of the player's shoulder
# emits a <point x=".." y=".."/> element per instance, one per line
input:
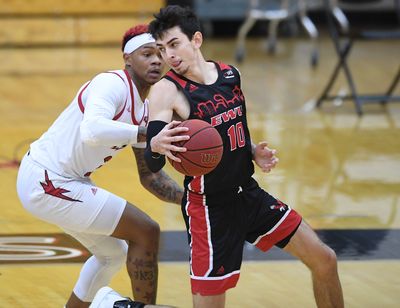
<point x="164" y="85"/>
<point x="115" y="76"/>
<point x="164" y="94"/>
<point x="109" y="80"/>
<point x="228" y="68"/>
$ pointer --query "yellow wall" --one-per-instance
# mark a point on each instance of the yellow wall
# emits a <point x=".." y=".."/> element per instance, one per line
<point x="35" y="22"/>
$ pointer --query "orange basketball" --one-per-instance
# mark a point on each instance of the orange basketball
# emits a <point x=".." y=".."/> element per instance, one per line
<point x="204" y="149"/>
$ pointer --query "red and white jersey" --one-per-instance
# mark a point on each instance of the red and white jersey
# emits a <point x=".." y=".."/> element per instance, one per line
<point x="102" y="119"/>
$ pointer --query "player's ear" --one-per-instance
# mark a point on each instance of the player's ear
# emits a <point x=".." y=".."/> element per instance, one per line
<point x="126" y="58"/>
<point x="197" y="39"/>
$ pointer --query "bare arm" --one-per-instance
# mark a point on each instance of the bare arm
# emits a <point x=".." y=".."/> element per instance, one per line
<point x="159" y="183"/>
<point x="165" y="101"/>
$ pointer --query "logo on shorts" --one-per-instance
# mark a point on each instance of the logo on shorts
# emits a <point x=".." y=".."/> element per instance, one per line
<point x="221" y="270"/>
<point x="58" y="192"/>
<point x="94" y="190"/>
<point x="280" y="206"/>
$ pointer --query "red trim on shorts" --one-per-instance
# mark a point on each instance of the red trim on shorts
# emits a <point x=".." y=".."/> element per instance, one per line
<point x="290" y="223"/>
<point x="201" y="247"/>
<point x="214" y="286"/>
<point x="195" y="184"/>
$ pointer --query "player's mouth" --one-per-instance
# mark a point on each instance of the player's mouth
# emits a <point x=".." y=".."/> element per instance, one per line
<point x="156" y="73"/>
<point x="175" y="64"/>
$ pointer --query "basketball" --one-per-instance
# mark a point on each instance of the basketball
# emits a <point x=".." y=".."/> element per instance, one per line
<point x="204" y="149"/>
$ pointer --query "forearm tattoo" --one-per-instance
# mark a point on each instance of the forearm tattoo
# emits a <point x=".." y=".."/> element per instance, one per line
<point x="166" y="188"/>
<point x="159" y="184"/>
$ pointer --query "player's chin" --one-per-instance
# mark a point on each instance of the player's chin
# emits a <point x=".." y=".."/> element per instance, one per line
<point x="152" y="81"/>
<point x="153" y="77"/>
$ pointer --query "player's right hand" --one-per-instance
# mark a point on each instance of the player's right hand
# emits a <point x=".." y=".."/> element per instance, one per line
<point x="165" y="141"/>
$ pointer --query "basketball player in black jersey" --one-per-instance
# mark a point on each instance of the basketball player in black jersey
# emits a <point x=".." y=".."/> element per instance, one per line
<point x="226" y="207"/>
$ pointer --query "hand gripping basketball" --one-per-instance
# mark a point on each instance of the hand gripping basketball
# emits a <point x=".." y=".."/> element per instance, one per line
<point x="204" y="149"/>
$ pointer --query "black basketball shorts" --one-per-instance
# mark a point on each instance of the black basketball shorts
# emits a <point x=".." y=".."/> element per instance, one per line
<point x="218" y="226"/>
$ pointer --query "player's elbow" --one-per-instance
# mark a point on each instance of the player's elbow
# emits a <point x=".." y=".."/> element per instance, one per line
<point x="86" y="133"/>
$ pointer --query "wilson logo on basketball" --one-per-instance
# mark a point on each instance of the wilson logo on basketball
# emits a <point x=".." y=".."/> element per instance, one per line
<point x="209" y="158"/>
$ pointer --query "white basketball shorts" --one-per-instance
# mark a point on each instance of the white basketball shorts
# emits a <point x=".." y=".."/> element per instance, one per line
<point x="72" y="204"/>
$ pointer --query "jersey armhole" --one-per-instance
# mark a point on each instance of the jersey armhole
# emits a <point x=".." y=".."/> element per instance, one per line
<point x="181" y="86"/>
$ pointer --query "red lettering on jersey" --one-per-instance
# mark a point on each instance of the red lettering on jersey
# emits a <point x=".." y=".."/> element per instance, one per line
<point x="238" y="110"/>
<point x="210" y="107"/>
<point x="226" y="116"/>
<point x="216" y="120"/>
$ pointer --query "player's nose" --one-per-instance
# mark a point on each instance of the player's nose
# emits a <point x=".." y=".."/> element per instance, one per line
<point x="156" y="60"/>
<point x="170" y="54"/>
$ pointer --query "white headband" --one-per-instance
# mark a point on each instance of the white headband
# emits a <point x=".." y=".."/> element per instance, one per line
<point x="138" y="41"/>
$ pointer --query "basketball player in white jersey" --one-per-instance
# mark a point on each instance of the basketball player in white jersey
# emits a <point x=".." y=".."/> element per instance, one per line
<point x="109" y="113"/>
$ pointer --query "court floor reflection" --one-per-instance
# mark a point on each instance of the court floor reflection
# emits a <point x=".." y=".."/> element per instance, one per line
<point x="339" y="171"/>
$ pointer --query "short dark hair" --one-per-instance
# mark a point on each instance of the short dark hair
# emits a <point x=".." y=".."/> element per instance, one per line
<point x="174" y="15"/>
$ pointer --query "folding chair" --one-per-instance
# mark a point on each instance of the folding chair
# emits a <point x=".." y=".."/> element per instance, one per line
<point x="275" y="11"/>
<point x="343" y="38"/>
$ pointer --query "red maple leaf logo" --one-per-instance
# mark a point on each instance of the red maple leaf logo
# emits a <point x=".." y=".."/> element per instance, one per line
<point x="49" y="189"/>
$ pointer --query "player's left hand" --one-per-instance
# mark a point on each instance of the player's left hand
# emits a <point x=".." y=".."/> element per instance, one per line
<point x="265" y="157"/>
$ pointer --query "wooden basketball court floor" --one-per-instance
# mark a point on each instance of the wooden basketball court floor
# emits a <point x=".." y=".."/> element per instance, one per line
<point x="340" y="171"/>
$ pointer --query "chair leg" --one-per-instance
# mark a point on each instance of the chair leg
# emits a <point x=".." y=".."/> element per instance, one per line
<point x="342" y="56"/>
<point x="310" y="28"/>
<point x="352" y="86"/>
<point x="391" y="88"/>
<point x="272" y="35"/>
<point x="243" y="31"/>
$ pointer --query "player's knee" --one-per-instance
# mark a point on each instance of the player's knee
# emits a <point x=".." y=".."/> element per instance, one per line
<point x="119" y="256"/>
<point x="149" y="236"/>
<point x="114" y="264"/>
<point x="152" y="230"/>
<point x="114" y="258"/>
<point x="327" y="261"/>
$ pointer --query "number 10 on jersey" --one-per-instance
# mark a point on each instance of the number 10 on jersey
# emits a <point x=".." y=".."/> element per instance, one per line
<point x="236" y="136"/>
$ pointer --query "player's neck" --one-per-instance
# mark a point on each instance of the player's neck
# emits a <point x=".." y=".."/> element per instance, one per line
<point x="202" y="72"/>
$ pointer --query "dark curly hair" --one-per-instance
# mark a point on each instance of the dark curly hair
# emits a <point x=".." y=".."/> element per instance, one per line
<point x="174" y="15"/>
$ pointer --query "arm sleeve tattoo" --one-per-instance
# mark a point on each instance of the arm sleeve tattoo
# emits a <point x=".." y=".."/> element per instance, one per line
<point x="159" y="183"/>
